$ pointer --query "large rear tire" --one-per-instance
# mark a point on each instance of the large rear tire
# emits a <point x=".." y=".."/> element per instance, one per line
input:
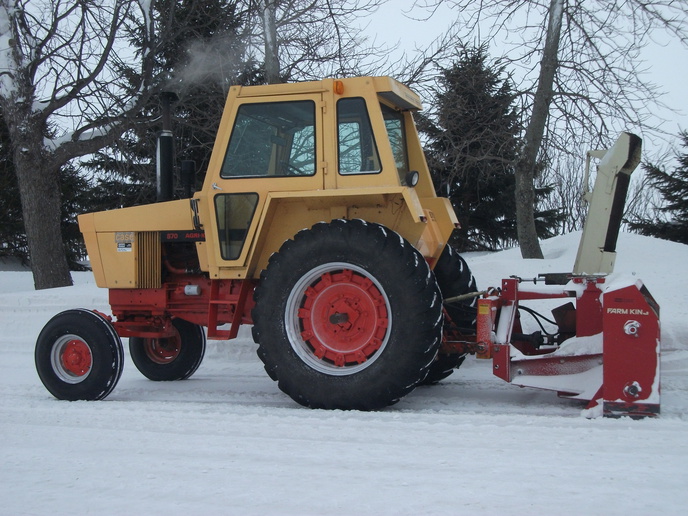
<point x="79" y="356"/>
<point x="454" y="278"/>
<point x="170" y="359"/>
<point x="348" y="315"/>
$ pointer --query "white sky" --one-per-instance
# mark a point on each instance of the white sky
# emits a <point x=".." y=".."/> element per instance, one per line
<point x="667" y="63"/>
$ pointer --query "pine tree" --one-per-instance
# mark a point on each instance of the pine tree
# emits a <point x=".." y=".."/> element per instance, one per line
<point x="473" y="144"/>
<point x="75" y="192"/>
<point x="672" y="221"/>
<point x="12" y="237"/>
<point x="202" y="57"/>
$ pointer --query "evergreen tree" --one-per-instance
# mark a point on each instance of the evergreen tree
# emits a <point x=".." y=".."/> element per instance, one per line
<point x="672" y="220"/>
<point x="75" y="192"/>
<point x="12" y="237"/>
<point x="206" y="57"/>
<point x="200" y="59"/>
<point x="473" y="144"/>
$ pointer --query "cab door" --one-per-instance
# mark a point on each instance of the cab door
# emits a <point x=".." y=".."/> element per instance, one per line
<point x="275" y="145"/>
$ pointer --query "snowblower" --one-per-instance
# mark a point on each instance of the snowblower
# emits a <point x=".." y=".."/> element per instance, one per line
<point x="606" y="346"/>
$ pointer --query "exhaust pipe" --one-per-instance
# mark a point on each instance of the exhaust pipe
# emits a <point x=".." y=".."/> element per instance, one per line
<point x="165" y="150"/>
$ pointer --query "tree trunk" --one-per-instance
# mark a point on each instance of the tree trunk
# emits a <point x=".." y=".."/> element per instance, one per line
<point x="39" y="192"/>
<point x="272" y="65"/>
<point x="525" y="168"/>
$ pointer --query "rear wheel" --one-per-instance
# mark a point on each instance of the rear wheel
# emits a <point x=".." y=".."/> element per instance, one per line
<point x="454" y="278"/>
<point x="347" y="316"/>
<point x="79" y="356"/>
<point x="169" y="359"/>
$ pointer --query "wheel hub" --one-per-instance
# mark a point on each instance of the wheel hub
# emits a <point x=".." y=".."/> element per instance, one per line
<point x="71" y="358"/>
<point x="76" y="358"/>
<point x="163" y="351"/>
<point x="344" y="317"/>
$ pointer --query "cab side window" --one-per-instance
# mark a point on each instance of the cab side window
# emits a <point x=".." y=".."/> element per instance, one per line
<point x="273" y="139"/>
<point x="234" y="214"/>
<point x="357" y="149"/>
<point x="396" y="132"/>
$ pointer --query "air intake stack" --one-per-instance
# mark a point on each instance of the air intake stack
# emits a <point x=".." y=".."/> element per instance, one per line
<point x="165" y="150"/>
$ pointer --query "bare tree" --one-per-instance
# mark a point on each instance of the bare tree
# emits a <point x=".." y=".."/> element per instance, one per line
<point x="580" y="70"/>
<point x="63" y="95"/>
<point x="535" y="130"/>
<point x="268" y="13"/>
<point x="565" y="177"/>
<point x="309" y="39"/>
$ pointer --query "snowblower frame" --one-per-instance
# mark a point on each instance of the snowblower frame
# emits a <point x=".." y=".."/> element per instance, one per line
<point x="605" y="350"/>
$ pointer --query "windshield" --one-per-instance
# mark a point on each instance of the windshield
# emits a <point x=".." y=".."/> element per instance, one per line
<point x="272" y="139"/>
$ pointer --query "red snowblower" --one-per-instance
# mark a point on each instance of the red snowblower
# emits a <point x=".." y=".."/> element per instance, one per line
<point x="606" y="346"/>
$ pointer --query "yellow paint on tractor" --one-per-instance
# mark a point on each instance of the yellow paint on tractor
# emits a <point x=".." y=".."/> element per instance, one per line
<point x="305" y="172"/>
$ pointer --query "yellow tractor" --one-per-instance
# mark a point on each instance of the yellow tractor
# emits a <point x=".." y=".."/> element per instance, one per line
<point x="317" y="223"/>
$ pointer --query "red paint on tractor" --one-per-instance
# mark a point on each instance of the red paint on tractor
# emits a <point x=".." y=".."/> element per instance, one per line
<point x="149" y="312"/>
<point x="76" y="357"/>
<point x="344" y="318"/>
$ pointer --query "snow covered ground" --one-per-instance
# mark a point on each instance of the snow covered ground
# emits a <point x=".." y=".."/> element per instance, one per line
<point x="227" y="441"/>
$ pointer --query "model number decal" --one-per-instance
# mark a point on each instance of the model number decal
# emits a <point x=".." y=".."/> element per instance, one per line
<point x="182" y="236"/>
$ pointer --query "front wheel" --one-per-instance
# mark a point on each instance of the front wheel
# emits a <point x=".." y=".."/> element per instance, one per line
<point x="348" y="315"/>
<point x="170" y="359"/>
<point x="79" y="356"/>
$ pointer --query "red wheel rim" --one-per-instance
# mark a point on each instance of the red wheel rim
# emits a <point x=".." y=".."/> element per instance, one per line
<point x="76" y="358"/>
<point x="344" y="317"/>
<point x="163" y="351"/>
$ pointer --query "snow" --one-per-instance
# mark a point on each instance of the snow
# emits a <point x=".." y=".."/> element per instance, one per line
<point x="581" y="346"/>
<point x="227" y="441"/>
